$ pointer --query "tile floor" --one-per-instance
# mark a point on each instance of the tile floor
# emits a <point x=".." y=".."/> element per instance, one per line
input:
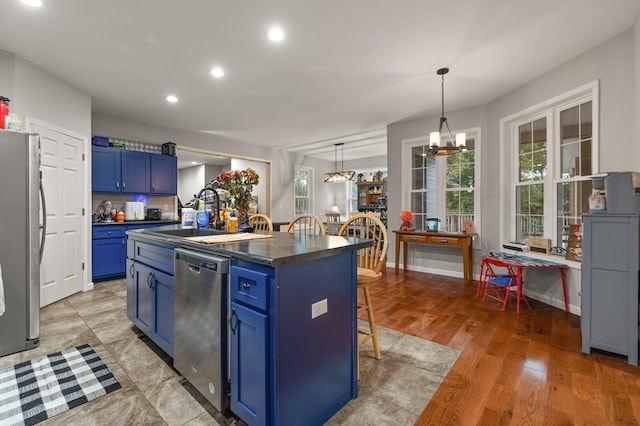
<point x="153" y="393"/>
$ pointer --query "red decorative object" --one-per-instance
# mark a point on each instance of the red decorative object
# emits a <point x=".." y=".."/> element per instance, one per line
<point x="406" y="217"/>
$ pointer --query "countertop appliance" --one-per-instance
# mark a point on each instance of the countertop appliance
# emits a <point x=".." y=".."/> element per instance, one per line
<point x="134" y="210"/>
<point x="154" y="214"/>
<point x="24" y="241"/>
<point x="200" y="309"/>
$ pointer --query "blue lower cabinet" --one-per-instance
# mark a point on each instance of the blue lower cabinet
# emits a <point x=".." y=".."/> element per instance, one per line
<point x="150" y="302"/>
<point x="108" y="252"/>
<point x="249" y="368"/>
<point x="277" y="377"/>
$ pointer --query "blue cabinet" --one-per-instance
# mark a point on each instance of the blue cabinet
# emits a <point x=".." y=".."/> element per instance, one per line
<point x="109" y="252"/>
<point x="150" y="292"/>
<point x="276" y="376"/>
<point x="164" y="174"/>
<point x="105" y="169"/>
<point x="136" y="172"/>
<point x="249" y="343"/>
<point x="133" y="172"/>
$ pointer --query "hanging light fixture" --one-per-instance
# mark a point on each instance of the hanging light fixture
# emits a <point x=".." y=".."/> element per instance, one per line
<point x="339" y="176"/>
<point x="436" y="144"/>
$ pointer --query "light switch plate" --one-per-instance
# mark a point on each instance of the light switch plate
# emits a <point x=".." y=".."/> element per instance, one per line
<point x="319" y="308"/>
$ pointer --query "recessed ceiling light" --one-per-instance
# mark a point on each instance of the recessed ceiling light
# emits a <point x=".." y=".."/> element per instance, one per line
<point x="33" y="3"/>
<point x="194" y="162"/>
<point x="276" y="34"/>
<point x="172" y="99"/>
<point x="217" y="72"/>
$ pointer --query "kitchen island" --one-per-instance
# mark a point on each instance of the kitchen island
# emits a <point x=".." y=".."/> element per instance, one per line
<point x="291" y="320"/>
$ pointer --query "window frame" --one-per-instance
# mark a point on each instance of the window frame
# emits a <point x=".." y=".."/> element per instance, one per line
<point x="441" y="166"/>
<point x="309" y="187"/>
<point x="551" y="110"/>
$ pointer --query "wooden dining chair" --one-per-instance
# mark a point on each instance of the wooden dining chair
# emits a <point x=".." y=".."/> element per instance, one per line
<point x="333" y="223"/>
<point x="370" y="262"/>
<point x="306" y="224"/>
<point x="261" y="222"/>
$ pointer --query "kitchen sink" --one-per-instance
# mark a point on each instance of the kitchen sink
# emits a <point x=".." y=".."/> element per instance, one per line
<point x="189" y="232"/>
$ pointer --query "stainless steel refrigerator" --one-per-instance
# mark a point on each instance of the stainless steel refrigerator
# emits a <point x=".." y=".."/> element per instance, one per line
<point x="21" y="241"/>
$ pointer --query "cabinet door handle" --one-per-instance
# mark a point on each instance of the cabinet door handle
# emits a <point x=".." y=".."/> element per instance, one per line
<point x="118" y="185"/>
<point x="414" y="238"/>
<point x="122" y="243"/>
<point x="444" y="240"/>
<point x="246" y="286"/>
<point x="131" y="270"/>
<point x="153" y="188"/>
<point x="151" y="279"/>
<point x="124" y="186"/>
<point x="231" y="322"/>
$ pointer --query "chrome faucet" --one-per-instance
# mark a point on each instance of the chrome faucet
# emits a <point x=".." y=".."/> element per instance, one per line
<point x="211" y="186"/>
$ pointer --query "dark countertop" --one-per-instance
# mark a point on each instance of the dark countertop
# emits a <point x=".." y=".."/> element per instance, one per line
<point x="280" y="250"/>
<point x="139" y="222"/>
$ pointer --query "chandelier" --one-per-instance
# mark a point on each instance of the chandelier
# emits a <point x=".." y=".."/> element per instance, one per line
<point x="339" y="176"/>
<point x="436" y="144"/>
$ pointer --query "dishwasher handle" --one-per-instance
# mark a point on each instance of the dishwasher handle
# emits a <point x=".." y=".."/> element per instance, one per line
<point x="232" y="322"/>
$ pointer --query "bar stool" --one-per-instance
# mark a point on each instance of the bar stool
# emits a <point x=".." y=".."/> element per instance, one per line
<point x="261" y="222"/>
<point x="306" y="224"/>
<point x="370" y="261"/>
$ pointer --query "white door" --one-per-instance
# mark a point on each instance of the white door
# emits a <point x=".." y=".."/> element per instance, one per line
<point x="62" y="179"/>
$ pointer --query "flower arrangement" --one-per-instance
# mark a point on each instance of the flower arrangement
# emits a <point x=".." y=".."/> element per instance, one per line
<point x="239" y="183"/>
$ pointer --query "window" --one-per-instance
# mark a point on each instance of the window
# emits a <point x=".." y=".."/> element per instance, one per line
<point x="532" y="165"/>
<point x="442" y="187"/>
<point x="554" y="153"/>
<point x="574" y="186"/>
<point x="302" y="195"/>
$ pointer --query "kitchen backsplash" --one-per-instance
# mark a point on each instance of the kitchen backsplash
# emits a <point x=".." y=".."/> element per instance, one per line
<point x="168" y="204"/>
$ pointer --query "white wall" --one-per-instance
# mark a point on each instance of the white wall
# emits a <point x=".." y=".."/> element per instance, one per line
<point x="613" y="64"/>
<point x="636" y="71"/>
<point x="190" y="181"/>
<point x="281" y="162"/>
<point x="43" y="97"/>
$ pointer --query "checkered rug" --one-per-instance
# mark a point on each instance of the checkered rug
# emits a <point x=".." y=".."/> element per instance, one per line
<point x="33" y="391"/>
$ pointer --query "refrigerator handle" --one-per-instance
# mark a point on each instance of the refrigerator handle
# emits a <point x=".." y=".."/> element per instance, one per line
<point x="43" y="227"/>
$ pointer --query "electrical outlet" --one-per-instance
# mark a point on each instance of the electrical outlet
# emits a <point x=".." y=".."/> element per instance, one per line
<point x="319" y="308"/>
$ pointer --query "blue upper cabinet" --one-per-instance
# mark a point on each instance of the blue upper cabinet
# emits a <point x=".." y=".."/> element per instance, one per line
<point x="136" y="172"/>
<point x="105" y="169"/>
<point x="121" y="171"/>
<point x="164" y="174"/>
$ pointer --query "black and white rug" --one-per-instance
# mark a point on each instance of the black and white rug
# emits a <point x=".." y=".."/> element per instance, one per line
<point x="33" y="391"/>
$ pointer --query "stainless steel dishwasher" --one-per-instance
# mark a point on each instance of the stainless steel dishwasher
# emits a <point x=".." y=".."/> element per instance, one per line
<point x="200" y="323"/>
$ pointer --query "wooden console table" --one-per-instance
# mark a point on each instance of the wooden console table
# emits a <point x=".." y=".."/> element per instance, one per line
<point x="441" y="239"/>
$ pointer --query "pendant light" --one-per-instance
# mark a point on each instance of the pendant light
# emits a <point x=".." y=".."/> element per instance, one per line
<point x="436" y="144"/>
<point x="339" y="176"/>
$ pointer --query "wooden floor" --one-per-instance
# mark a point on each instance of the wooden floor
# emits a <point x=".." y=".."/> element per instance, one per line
<point x="514" y="369"/>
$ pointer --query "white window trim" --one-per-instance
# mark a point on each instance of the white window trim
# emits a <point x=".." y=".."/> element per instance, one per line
<point x="310" y="186"/>
<point x="509" y="168"/>
<point x="407" y="144"/>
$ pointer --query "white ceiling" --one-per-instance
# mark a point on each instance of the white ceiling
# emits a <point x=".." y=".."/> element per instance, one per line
<point x="344" y="71"/>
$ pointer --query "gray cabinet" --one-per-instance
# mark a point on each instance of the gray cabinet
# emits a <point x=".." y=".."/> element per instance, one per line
<point x="609" y="312"/>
